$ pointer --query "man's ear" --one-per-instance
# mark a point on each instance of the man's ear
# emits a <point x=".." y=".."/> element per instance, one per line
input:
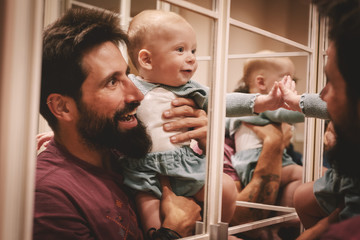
<point x="260" y="82"/>
<point x="144" y="59"/>
<point x="61" y="106"/>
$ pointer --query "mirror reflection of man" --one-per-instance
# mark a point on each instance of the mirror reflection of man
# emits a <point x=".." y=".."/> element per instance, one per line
<point x="337" y="193"/>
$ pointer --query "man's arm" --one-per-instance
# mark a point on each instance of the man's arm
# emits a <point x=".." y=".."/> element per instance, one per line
<point x="264" y="185"/>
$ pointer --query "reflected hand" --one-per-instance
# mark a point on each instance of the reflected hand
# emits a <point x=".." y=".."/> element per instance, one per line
<point x="287" y="130"/>
<point x="271" y="101"/>
<point x="290" y="96"/>
<point x="271" y="133"/>
<point x="43" y="139"/>
<point x="329" y="136"/>
<point x="179" y="213"/>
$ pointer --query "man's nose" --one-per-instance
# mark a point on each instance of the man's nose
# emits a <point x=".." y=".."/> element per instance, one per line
<point x="324" y="91"/>
<point x="133" y="93"/>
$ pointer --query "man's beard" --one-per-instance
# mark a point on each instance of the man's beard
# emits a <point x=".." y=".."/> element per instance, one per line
<point x="344" y="156"/>
<point x="103" y="133"/>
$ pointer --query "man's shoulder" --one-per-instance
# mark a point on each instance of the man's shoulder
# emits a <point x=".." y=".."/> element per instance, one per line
<point x="52" y="168"/>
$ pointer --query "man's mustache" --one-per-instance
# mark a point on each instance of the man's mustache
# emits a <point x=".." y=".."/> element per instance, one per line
<point x="129" y="107"/>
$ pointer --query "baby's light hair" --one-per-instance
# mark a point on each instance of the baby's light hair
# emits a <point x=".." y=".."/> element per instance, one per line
<point x="142" y="26"/>
<point x="251" y="66"/>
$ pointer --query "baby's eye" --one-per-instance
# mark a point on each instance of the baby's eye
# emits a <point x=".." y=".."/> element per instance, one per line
<point x="193" y="51"/>
<point x="180" y="49"/>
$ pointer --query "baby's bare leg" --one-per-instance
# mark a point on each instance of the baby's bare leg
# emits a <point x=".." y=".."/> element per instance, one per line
<point x="291" y="179"/>
<point x="149" y="210"/>
<point x="306" y="205"/>
<point x="229" y="194"/>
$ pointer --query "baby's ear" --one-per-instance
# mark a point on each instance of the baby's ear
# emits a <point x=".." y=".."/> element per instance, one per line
<point x="260" y="82"/>
<point x="61" y="106"/>
<point x="144" y="59"/>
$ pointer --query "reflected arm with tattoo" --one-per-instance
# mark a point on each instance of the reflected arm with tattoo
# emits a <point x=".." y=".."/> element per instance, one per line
<point x="264" y="185"/>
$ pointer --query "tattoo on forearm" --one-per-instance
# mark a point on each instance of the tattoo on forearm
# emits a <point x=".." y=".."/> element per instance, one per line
<point x="266" y="193"/>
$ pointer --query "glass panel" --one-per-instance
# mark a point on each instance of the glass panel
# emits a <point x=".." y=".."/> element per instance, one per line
<point x="235" y="73"/>
<point x="288" y="19"/>
<point x="139" y="5"/>
<point x="243" y="41"/>
<point x="112" y="5"/>
<point x="203" y="27"/>
<point x="203" y="3"/>
<point x="203" y="74"/>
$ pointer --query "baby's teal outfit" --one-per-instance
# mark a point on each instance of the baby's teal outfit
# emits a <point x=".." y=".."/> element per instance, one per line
<point x="244" y="161"/>
<point x="332" y="191"/>
<point x="185" y="168"/>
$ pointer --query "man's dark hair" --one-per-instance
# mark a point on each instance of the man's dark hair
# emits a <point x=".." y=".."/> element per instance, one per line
<point x="64" y="44"/>
<point x="344" y="31"/>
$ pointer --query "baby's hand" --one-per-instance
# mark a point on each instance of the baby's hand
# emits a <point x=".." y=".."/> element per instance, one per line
<point x="289" y="94"/>
<point x="43" y="139"/>
<point x="272" y="101"/>
<point x="281" y="95"/>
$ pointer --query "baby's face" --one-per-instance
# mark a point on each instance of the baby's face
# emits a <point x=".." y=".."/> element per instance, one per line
<point x="283" y="68"/>
<point x="173" y="54"/>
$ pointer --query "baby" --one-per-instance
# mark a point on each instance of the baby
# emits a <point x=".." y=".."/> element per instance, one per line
<point x="258" y="77"/>
<point x="162" y="47"/>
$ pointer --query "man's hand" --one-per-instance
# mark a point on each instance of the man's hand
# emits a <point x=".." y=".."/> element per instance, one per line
<point x="179" y="213"/>
<point x="271" y="133"/>
<point x="193" y="119"/>
<point x="287" y="130"/>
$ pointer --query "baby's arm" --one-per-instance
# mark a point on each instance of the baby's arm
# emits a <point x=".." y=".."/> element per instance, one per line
<point x="241" y="104"/>
<point x="283" y="115"/>
<point x="309" y="103"/>
<point x="148" y="207"/>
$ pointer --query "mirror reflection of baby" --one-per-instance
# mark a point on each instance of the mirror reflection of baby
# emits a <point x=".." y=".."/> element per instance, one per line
<point x="259" y="75"/>
<point x="162" y="47"/>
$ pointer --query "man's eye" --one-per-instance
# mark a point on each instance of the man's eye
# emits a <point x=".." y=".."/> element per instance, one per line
<point x="180" y="49"/>
<point x="113" y="81"/>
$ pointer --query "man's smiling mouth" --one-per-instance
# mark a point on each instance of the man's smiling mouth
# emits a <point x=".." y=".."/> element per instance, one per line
<point x="128" y="117"/>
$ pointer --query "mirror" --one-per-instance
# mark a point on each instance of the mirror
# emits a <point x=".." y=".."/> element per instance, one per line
<point x="289" y="20"/>
<point x="262" y="31"/>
